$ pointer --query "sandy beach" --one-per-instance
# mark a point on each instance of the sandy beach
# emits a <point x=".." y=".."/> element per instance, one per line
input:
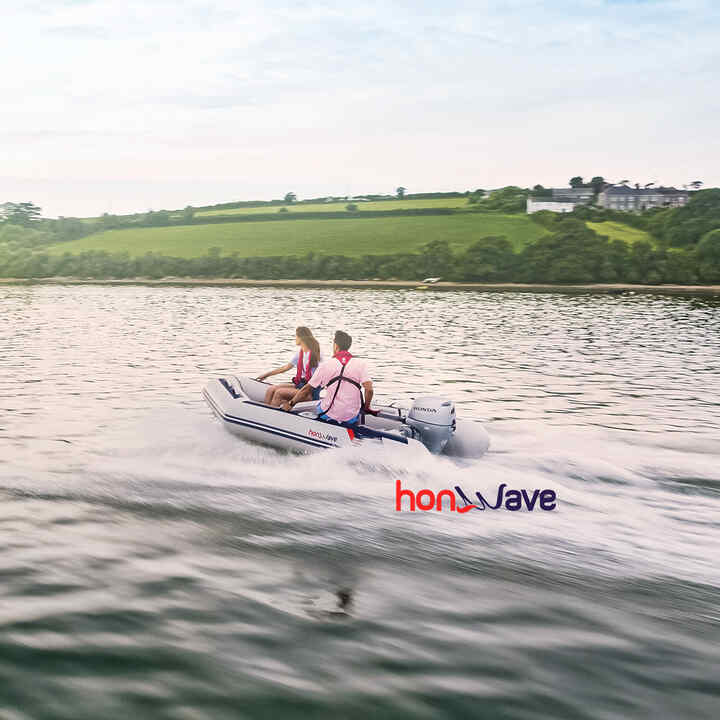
<point x="374" y="284"/>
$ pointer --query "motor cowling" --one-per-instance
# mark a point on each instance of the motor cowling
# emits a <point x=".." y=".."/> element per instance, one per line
<point x="433" y="420"/>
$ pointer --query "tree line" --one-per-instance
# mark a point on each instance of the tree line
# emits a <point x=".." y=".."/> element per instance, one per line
<point x="571" y="253"/>
<point x="686" y="251"/>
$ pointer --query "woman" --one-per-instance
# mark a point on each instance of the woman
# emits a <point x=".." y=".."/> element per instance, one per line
<point x="304" y="362"/>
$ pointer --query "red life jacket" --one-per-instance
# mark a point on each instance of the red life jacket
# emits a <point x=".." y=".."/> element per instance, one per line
<point x="343" y="356"/>
<point x="303" y="374"/>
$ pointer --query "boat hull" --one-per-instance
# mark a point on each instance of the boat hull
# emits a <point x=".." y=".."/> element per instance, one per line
<point x="237" y="402"/>
<point x="231" y="399"/>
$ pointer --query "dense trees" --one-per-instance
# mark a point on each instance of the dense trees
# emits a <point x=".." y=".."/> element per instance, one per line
<point x="684" y="226"/>
<point x="685" y="248"/>
<point x="489" y="259"/>
<point x="539" y="191"/>
<point x="597" y="184"/>
<point x="510" y="199"/>
<point x="571" y="253"/>
<point x="25" y="213"/>
<point x="708" y="254"/>
<point x="157" y="218"/>
<point x="476" y="196"/>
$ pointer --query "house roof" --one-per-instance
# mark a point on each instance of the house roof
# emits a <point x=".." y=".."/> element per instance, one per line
<point x="625" y="190"/>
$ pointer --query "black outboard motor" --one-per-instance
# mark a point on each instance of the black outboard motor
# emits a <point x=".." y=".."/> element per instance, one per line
<point x="433" y="421"/>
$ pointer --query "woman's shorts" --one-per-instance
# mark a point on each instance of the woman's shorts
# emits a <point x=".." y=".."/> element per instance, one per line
<point x="315" y="392"/>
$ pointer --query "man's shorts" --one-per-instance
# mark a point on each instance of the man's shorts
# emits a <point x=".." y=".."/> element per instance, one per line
<point x="345" y="423"/>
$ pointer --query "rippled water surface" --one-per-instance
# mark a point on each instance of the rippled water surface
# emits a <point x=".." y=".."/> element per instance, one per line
<point x="154" y="566"/>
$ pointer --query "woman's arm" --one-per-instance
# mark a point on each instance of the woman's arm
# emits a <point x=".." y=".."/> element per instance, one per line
<point x="279" y="370"/>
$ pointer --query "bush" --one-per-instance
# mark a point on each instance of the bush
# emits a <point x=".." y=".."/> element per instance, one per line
<point x="708" y="255"/>
<point x="490" y="259"/>
<point x="686" y="226"/>
<point x="509" y="199"/>
<point x="573" y="254"/>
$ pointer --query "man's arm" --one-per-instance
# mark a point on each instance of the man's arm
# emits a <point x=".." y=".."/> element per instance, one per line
<point x="301" y="395"/>
<point x="368" y="387"/>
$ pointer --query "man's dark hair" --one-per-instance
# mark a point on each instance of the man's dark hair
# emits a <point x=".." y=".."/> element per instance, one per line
<point x="342" y="340"/>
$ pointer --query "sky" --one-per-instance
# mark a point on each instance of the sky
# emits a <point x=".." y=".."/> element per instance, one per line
<point x="120" y="107"/>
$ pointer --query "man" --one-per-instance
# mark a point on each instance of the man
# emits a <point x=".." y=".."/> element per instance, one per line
<point x="344" y="377"/>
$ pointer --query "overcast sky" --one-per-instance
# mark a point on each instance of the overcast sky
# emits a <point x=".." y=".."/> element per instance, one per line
<point x="127" y="106"/>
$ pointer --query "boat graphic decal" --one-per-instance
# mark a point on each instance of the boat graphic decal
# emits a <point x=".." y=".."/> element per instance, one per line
<point x="253" y="425"/>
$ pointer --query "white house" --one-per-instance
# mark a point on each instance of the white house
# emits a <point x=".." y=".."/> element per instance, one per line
<point x="558" y="206"/>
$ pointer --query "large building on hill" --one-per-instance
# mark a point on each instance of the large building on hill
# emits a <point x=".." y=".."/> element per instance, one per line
<point x="622" y="197"/>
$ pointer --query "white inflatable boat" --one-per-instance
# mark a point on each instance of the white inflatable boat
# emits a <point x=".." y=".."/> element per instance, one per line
<point x="429" y="425"/>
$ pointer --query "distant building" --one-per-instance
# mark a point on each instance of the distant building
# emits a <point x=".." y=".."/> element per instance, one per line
<point x="558" y="206"/>
<point x="629" y="199"/>
<point x="579" y="195"/>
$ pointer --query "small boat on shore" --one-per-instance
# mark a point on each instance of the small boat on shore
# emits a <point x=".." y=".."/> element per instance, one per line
<point x="429" y="425"/>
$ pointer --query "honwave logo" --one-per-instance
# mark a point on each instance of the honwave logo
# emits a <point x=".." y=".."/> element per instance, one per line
<point x="421" y="409"/>
<point x="322" y="436"/>
<point x="458" y="501"/>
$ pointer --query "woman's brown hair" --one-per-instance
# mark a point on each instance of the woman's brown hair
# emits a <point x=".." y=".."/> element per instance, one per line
<point x="308" y="339"/>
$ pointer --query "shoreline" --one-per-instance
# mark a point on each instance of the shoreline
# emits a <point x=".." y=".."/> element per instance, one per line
<point x="371" y="284"/>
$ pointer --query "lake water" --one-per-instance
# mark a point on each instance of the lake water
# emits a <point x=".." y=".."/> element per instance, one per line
<point x="154" y="566"/>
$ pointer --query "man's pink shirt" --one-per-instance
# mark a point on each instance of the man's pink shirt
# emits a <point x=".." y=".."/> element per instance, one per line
<point x="347" y="403"/>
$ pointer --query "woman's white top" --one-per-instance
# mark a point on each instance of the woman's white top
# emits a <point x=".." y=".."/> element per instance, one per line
<point x="306" y="359"/>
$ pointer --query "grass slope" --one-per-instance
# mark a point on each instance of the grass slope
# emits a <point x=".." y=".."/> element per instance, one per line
<point x="351" y="237"/>
<point x="618" y="231"/>
<point x="340" y="206"/>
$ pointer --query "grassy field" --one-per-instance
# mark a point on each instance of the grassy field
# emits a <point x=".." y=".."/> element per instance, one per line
<point x="351" y="237"/>
<point x="618" y="231"/>
<point x="340" y="206"/>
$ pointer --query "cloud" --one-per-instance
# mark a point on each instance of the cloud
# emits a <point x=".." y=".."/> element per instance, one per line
<point x="240" y="97"/>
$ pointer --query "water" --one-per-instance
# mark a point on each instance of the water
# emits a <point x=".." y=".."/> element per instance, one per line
<point x="153" y="566"/>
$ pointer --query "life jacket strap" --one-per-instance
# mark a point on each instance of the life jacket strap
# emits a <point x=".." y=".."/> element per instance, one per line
<point x="338" y="379"/>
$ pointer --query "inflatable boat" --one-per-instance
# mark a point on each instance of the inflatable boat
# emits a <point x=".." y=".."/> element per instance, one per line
<point x="429" y="425"/>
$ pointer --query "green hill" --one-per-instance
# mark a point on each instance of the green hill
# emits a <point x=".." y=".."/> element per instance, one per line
<point x="488" y="241"/>
<point x="408" y="204"/>
<point x="352" y="237"/>
<point x="619" y="231"/>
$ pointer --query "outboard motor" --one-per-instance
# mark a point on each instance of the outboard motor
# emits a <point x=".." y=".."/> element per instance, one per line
<point x="433" y="420"/>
